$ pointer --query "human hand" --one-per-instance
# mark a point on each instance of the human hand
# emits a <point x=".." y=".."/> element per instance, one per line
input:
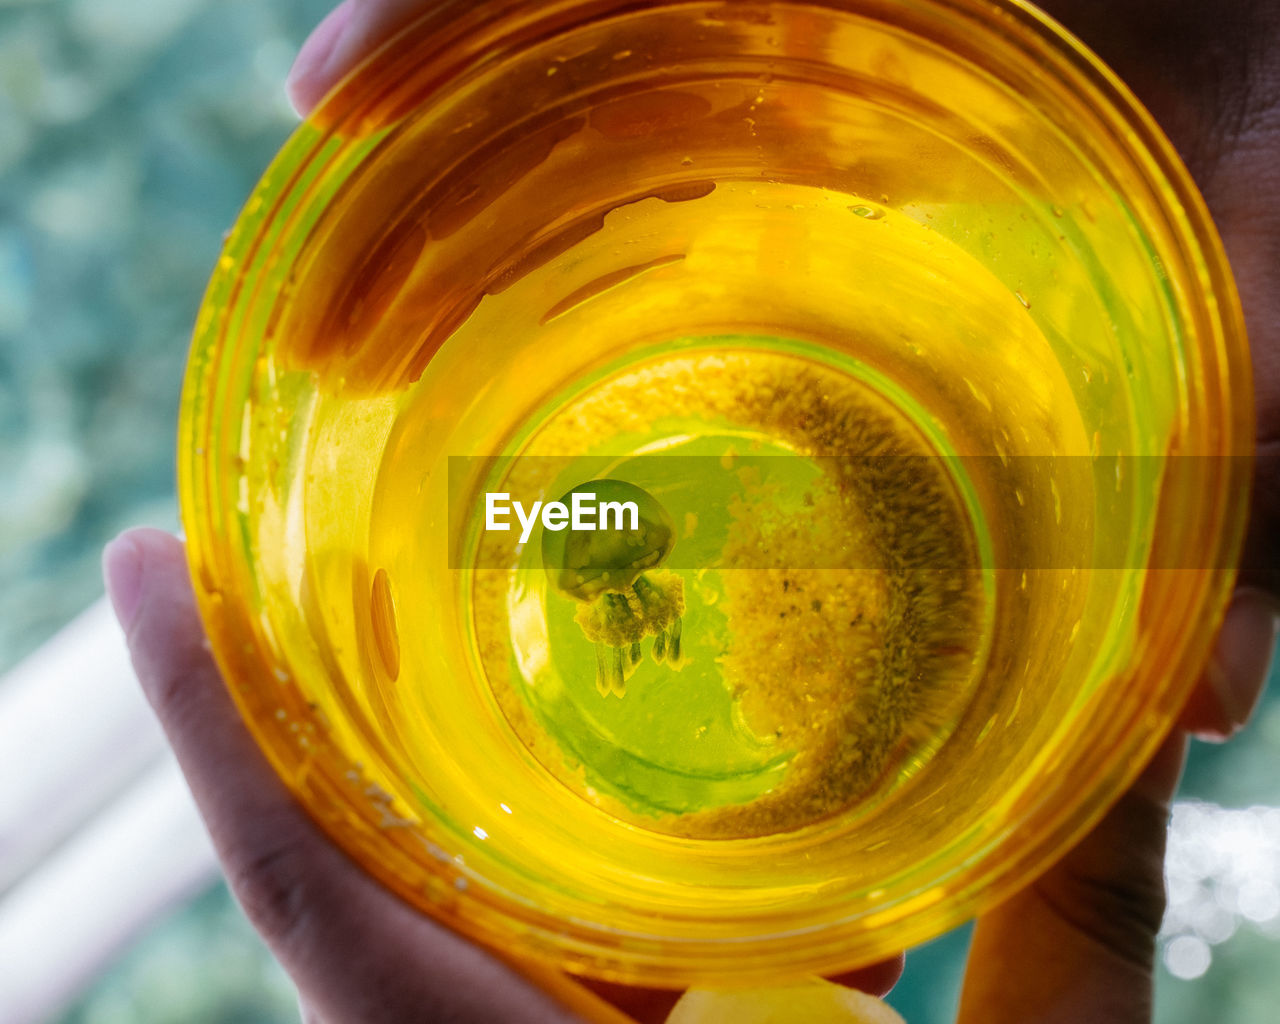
<point x="1077" y="945"/>
<point x="1209" y="75"/>
<point x="357" y="954"/>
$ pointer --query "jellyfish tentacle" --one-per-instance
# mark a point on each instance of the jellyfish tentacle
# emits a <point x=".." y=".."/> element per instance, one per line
<point x="617" y="672"/>
<point x="615" y="577"/>
<point x="602" y="669"/>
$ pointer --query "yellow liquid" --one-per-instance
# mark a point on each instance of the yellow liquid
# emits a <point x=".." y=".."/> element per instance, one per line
<point x="835" y="609"/>
<point x="737" y="252"/>
<point x="796" y="711"/>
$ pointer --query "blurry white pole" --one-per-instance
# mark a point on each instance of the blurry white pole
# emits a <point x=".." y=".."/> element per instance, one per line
<point x="98" y="834"/>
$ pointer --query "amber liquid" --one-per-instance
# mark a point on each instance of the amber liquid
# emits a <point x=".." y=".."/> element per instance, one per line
<point x="837" y="629"/>
<point x="867" y="296"/>
<point x="835" y="604"/>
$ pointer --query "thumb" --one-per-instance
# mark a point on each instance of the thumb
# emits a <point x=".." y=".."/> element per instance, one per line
<point x="352" y="31"/>
<point x="1079" y="943"/>
<point x="355" y="952"/>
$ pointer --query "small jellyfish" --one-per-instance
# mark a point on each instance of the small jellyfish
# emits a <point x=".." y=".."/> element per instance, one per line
<point x="611" y="570"/>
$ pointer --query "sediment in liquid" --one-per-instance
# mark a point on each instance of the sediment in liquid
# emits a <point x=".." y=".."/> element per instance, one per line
<point x="843" y="628"/>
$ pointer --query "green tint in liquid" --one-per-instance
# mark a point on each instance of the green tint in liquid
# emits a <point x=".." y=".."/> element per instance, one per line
<point x="823" y="576"/>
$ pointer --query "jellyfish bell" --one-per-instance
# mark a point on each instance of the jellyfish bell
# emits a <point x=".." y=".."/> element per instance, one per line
<point x="632" y="534"/>
<point x="610" y="567"/>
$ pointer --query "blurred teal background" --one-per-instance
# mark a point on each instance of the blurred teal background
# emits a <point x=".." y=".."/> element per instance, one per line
<point x="130" y="133"/>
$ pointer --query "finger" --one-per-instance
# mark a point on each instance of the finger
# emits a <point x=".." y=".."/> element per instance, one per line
<point x="653" y="1005"/>
<point x="644" y="1005"/>
<point x="1237" y="672"/>
<point x="355" y="951"/>
<point x="350" y="33"/>
<point x="307" y="1014"/>
<point x="306" y="83"/>
<point x="1208" y="74"/>
<point x="1079" y="944"/>
<point x="874" y="979"/>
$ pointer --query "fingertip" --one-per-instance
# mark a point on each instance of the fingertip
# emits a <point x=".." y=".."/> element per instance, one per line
<point x="643" y="1005"/>
<point x="1242" y="655"/>
<point x="130" y="564"/>
<point x="309" y="78"/>
<point x="122" y="575"/>
<point x="1238" y="667"/>
<point x="875" y="979"/>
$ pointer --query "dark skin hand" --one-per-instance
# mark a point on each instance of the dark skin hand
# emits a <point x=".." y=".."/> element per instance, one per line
<point x="1084" y="934"/>
<point x="1078" y="944"/>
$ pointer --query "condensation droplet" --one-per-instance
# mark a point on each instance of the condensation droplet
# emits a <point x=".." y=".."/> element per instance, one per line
<point x="866" y="212"/>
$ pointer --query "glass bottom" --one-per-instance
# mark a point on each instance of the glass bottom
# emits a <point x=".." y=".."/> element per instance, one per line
<point x="826" y="584"/>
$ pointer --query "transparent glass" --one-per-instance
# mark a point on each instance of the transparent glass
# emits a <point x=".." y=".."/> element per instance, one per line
<point x="932" y="246"/>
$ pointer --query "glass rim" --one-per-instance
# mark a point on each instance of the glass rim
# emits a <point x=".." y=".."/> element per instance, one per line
<point x="1030" y="38"/>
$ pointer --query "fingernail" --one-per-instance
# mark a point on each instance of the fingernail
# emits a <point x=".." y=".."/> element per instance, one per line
<point x="313" y="58"/>
<point x="122" y="573"/>
<point x="1241" y="659"/>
